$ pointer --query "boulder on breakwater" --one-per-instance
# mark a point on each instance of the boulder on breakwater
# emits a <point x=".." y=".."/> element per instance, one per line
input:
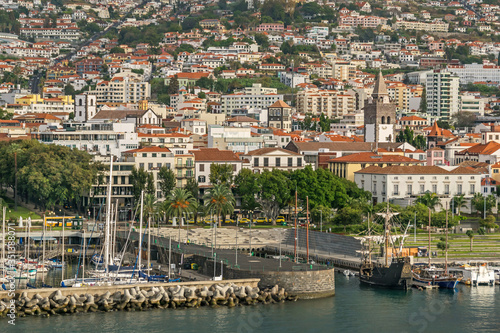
<point x="138" y="299"/>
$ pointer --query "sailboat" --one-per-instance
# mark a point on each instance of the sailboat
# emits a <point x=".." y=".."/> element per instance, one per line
<point x="395" y="274"/>
<point x="434" y="276"/>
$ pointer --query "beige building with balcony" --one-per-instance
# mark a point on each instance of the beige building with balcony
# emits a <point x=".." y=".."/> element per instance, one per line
<point x="263" y="159"/>
<point x="332" y="103"/>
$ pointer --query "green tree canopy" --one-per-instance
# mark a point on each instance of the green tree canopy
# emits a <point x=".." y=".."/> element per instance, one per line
<point x="221" y="174"/>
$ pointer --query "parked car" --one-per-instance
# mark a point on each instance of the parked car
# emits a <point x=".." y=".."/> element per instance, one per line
<point x="244" y="220"/>
<point x="280" y="219"/>
<point x="261" y="220"/>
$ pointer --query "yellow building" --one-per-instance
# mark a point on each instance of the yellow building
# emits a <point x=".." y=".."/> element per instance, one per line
<point x="401" y="94"/>
<point x="184" y="168"/>
<point x="346" y="166"/>
<point x="495" y="171"/>
<point x="37" y="99"/>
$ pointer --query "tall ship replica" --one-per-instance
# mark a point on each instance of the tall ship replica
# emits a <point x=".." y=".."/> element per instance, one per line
<point x="393" y="273"/>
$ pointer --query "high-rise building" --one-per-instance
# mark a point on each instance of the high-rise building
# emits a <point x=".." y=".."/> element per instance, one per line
<point x="442" y="94"/>
<point x="380" y="114"/>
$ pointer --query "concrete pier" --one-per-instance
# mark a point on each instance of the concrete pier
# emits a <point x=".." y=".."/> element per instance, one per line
<point x="303" y="280"/>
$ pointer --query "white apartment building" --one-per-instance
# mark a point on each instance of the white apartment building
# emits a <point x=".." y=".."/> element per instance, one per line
<point x="470" y="73"/>
<point x="469" y="103"/>
<point x="122" y="90"/>
<point x="96" y="139"/>
<point x="205" y="157"/>
<point x="251" y="97"/>
<point x="403" y="184"/>
<point x="332" y="103"/>
<point x="237" y="139"/>
<point x="437" y="26"/>
<point x="442" y="94"/>
<point x="70" y="33"/>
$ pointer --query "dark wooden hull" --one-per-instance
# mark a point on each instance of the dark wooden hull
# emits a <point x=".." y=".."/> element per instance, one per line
<point x="397" y="276"/>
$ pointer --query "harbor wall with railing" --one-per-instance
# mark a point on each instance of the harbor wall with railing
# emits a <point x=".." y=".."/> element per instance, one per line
<point x="303" y="280"/>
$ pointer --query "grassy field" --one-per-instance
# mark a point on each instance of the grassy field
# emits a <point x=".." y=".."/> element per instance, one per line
<point x="20" y="212"/>
<point x="487" y="245"/>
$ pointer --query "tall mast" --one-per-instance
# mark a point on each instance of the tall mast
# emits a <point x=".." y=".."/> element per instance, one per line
<point x="108" y="217"/>
<point x="386" y="227"/>
<point x="140" y="230"/>
<point x="149" y="242"/>
<point x="446" y="244"/>
<point x="43" y="253"/>
<point x="62" y="252"/>
<point x="429" y="251"/>
<point x="369" y="241"/>
<point x="307" y="230"/>
<point x="4" y="264"/>
<point x="295" y="238"/>
<point x="84" y="253"/>
<point x="115" y="224"/>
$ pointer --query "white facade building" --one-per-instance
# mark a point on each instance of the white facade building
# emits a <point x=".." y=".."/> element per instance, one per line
<point x="403" y="184"/>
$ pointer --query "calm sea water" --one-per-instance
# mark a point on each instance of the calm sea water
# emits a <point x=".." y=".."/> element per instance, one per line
<point x="353" y="309"/>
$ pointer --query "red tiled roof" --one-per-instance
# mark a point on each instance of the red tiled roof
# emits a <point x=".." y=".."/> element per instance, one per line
<point x="214" y="155"/>
<point x="149" y="150"/>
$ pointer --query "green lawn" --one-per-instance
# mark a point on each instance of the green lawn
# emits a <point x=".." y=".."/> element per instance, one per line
<point x="20" y="212"/>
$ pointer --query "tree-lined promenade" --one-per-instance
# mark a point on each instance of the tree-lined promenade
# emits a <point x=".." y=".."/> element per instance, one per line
<point x="50" y="175"/>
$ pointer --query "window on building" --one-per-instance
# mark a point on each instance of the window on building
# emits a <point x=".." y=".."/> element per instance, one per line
<point x="158" y="165"/>
<point x="396" y="189"/>
<point x="144" y="155"/>
<point x="150" y="166"/>
<point x="202" y="167"/>
<point x="278" y="161"/>
<point x="201" y="179"/>
<point x="459" y="189"/>
<point x="266" y="161"/>
<point x="153" y="155"/>
<point x="141" y="165"/>
<point x="472" y="188"/>
<point x="434" y="188"/>
<point x="290" y="161"/>
<point x="234" y="167"/>
<point x="422" y="188"/>
<point x="446" y="189"/>
<point x="299" y="161"/>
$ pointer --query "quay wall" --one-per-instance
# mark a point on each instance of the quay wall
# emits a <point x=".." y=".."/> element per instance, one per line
<point x="46" y="292"/>
<point x="305" y="284"/>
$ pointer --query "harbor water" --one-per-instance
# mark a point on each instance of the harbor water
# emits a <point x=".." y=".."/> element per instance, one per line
<point x="354" y="308"/>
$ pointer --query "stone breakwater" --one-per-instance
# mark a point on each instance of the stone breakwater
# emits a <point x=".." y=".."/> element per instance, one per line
<point x="143" y="298"/>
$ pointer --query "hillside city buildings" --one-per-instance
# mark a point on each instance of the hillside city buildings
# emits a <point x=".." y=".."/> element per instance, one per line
<point x="398" y="100"/>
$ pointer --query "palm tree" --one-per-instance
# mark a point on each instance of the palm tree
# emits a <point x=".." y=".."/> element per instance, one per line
<point x="470" y="233"/>
<point x="221" y="200"/>
<point x="178" y="203"/>
<point x="459" y="203"/>
<point x="431" y="200"/>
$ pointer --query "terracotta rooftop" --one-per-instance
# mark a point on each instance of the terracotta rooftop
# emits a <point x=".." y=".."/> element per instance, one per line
<point x="279" y="104"/>
<point x="214" y="155"/>
<point x="149" y="150"/>
<point x="264" y="151"/>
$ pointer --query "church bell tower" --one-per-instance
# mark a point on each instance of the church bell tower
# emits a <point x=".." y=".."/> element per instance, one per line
<point x="380" y="114"/>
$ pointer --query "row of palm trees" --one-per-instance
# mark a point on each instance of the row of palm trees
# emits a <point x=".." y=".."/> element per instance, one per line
<point x="180" y="202"/>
